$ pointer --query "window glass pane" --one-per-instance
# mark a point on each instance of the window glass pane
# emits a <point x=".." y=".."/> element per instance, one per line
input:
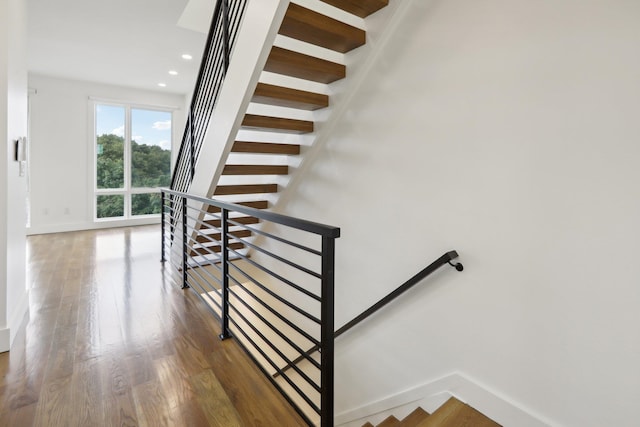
<point x="109" y="206"/>
<point x="110" y="146"/>
<point x="150" y="148"/>
<point x="145" y="204"/>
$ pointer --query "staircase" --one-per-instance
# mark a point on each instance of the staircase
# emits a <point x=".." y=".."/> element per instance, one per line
<point x="452" y="413"/>
<point x="259" y="162"/>
<point x="258" y="165"/>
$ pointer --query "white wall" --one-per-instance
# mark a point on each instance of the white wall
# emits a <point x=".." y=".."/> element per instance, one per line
<point x="62" y="148"/>
<point x="506" y="130"/>
<point x="13" y="124"/>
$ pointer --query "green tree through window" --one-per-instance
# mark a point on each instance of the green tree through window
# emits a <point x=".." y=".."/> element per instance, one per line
<point x="151" y="166"/>
<point x="110" y="164"/>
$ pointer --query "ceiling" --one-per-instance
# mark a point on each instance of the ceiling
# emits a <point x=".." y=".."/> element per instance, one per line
<point x="130" y="43"/>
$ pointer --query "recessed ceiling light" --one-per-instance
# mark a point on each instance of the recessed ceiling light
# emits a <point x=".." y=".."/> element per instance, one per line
<point x="187" y="57"/>
<point x="173" y="72"/>
<point x="162" y="84"/>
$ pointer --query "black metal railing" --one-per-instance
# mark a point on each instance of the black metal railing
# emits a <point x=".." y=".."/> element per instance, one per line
<point x="272" y="289"/>
<point x="445" y="259"/>
<point x="224" y="27"/>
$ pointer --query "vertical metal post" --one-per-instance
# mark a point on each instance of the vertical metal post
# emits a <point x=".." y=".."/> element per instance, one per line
<point x="225" y="34"/>
<point x="192" y="150"/>
<point x="162" y="225"/>
<point x="224" y="315"/>
<point x="185" y="244"/>
<point x="173" y="220"/>
<point x="327" y="332"/>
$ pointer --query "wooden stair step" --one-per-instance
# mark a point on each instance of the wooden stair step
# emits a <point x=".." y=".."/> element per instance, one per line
<point x="257" y="204"/>
<point x="232" y="258"/>
<point x="390" y="421"/>
<point x="264" y="148"/>
<point x="414" y="418"/>
<point x="255" y="170"/>
<point x="312" y="27"/>
<point x="288" y="97"/>
<point x="457" y="414"/>
<point x="361" y="8"/>
<point x="240" y="220"/>
<point x="277" y="124"/>
<point x="295" y="64"/>
<point x="206" y="238"/>
<point x="226" y="190"/>
<point x="367" y="425"/>
<point x="206" y="250"/>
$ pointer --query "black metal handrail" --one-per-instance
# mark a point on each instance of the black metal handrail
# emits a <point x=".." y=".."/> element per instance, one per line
<point x="224" y="27"/>
<point x="444" y="259"/>
<point x="276" y="304"/>
<point x="447" y="258"/>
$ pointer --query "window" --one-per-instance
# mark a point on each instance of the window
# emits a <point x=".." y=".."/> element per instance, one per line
<point x="132" y="160"/>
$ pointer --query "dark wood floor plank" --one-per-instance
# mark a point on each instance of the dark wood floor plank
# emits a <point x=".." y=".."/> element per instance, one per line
<point x="86" y="394"/>
<point x="214" y="401"/>
<point x="140" y="368"/>
<point x="22" y="417"/>
<point x="151" y="405"/>
<point x="173" y="377"/>
<point x="227" y="366"/>
<point x="120" y="411"/>
<point x="54" y="406"/>
<point x="61" y="356"/>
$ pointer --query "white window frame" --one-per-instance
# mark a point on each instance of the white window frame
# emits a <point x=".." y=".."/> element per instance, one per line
<point x="127" y="191"/>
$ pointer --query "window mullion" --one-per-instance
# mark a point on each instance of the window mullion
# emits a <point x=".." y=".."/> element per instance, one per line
<point x="127" y="162"/>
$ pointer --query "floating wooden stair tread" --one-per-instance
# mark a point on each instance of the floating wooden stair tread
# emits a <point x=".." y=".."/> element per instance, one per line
<point x="277" y="124"/>
<point x="207" y="238"/>
<point x="295" y="64"/>
<point x="361" y="8"/>
<point x="414" y="418"/>
<point x="312" y="27"/>
<point x="206" y="250"/>
<point x="240" y="220"/>
<point x="255" y="170"/>
<point x="457" y="414"/>
<point x="258" y="204"/>
<point x="264" y="148"/>
<point x="226" y="190"/>
<point x="287" y="97"/>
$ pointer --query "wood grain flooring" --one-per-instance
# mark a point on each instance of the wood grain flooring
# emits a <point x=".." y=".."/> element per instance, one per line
<point x="113" y="341"/>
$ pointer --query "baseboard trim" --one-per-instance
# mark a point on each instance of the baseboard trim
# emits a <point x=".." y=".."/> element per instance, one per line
<point x="432" y="394"/>
<point x="64" y="228"/>
<point x="5" y="340"/>
<point x="18" y="315"/>
<point x="16" y="318"/>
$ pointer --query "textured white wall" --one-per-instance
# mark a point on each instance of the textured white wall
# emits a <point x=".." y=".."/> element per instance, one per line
<point x="62" y="146"/>
<point x="13" y="125"/>
<point x="506" y="130"/>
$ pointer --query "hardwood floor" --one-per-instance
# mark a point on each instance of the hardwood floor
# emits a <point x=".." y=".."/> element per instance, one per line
<point x="113" y="341"/>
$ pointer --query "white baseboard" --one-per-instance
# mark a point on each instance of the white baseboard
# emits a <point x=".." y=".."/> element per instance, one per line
<point x="16" y="317"/>
<point x="80" y="226"/>
<point x="432" y="395"/>
<point x="5" y="340"/>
